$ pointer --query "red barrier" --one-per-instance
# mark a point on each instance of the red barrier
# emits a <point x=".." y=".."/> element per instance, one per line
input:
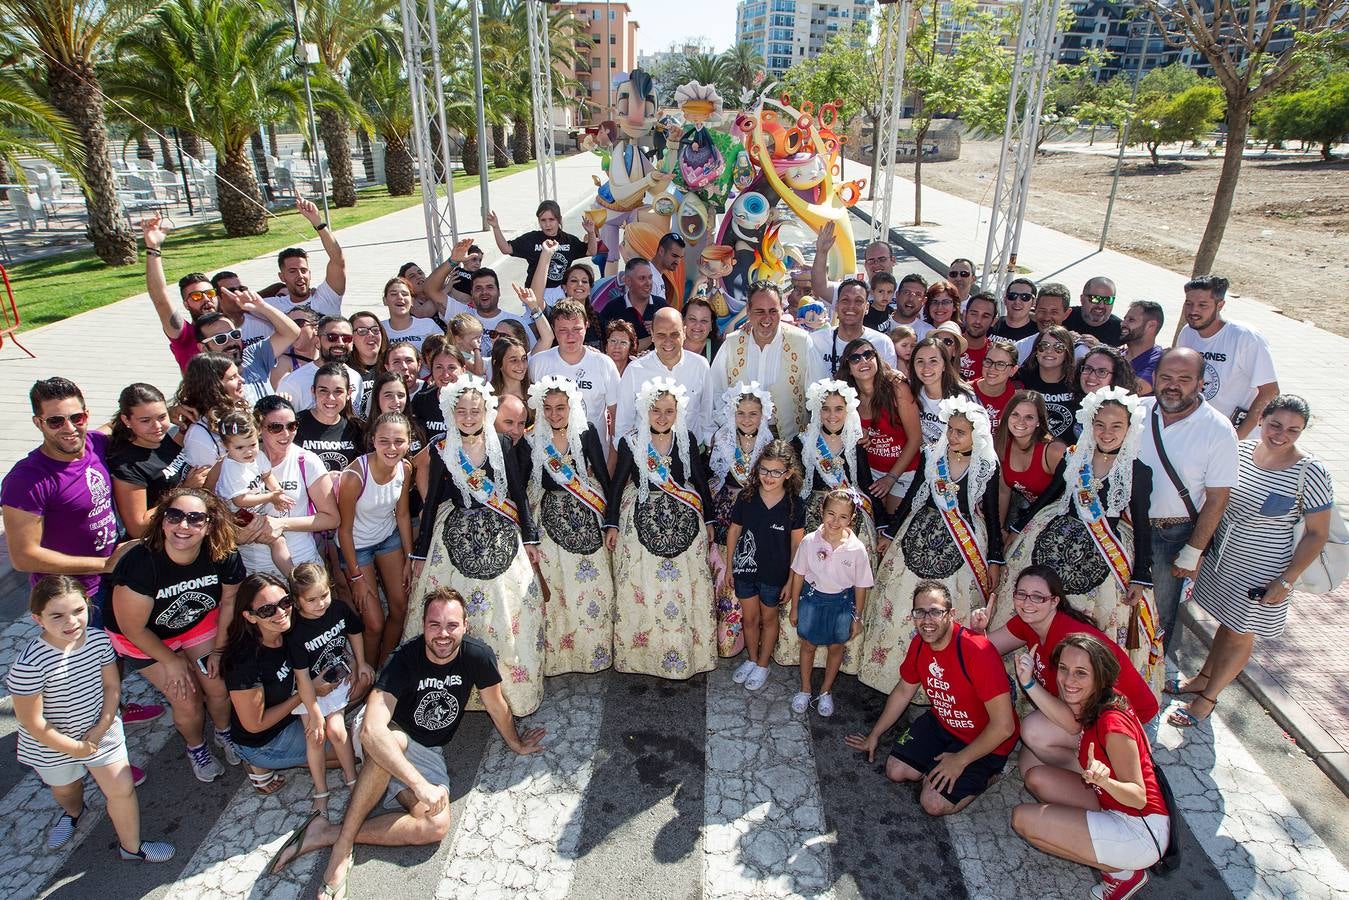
<point x="9" y="316"/>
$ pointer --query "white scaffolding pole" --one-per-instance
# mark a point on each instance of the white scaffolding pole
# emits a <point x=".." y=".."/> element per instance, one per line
<point x="421" y="54"/>
<point x="1036" y="48"/>
<point x="894" y="41"/>
<point x="541" y="91"/>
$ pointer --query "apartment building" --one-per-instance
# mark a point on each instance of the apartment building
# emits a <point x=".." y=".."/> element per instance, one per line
<point x="606" y="38"/>
<point x="788" y="31"/>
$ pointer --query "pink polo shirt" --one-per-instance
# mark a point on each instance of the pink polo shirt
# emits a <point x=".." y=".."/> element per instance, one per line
<point x="184" y="346"/>
<point x="833" y="569"/>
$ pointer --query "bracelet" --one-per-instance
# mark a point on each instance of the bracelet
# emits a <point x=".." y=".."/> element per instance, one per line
<point x="1027" y="687"/>
<point x="857" y="618"/>
<point x="357" y="577"/>
<point x="320" y="226"/>
<point x="151" y="251"/>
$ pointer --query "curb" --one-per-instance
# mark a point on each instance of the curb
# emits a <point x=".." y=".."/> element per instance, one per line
<point x="897" y="237"/>
<point x="1323" y="749"/>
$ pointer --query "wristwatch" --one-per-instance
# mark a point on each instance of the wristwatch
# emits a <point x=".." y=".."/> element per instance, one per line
<point x="1284" y="583"/>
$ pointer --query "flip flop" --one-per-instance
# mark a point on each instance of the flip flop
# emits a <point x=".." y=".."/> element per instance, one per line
<point x="296" y="838"/>
<point x="337" y="891"/>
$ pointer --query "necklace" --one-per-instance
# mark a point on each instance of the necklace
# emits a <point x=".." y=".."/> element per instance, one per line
<point x="470" y="434"/>
<point x="830" y="433"/>
<point x="665" y="432"/>
<point x="962" y="453"/>
<point x="1105" y="452"/>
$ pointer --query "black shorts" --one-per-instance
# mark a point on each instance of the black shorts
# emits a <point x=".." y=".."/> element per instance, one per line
<point x="919" y="746"/>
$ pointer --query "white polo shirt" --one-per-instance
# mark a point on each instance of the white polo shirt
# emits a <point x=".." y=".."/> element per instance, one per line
<point x="1237" y="362"/>
<point x="595" y="374"/>
<point x="826" y="349"/>
<point x="299" y="385"/>
<point x="692" y="372"/>
<point x="1202" y="448"/>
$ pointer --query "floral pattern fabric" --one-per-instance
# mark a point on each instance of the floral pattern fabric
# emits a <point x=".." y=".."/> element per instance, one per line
<point x="579" y="611"/>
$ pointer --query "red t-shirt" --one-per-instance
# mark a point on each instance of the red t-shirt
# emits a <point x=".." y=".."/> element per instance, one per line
<point x="1130" y="683"/>
<point x="184" y="346"/>
<point x="1123" y="722"/>
<point x="885" y="442"/>
<point x="996" y="406"/>
<point x="957" y="701"/>
<point x="972" y="362"/>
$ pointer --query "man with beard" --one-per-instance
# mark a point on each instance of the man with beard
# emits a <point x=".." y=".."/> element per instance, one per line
<point x="876" y="258"/>
<point x="293" y="270"/>
<point x="1138" y="337"/>
<point x="1192" y="451"/>
<point x="909" y="299"/>
<point x="826" y="345"/>
<point x="962" y="742"/>
<point x="980" y="313"/>
<point x="335" y="344"/>
<point x="217" y="333"/>
<point x="770" y="351"/>
<point x="486" y="294"/>
<point x="1017" y="324"/>
<point x="1239" y="376"/>
<point x="1093" y="319"/>
<point x="410" y="716"/>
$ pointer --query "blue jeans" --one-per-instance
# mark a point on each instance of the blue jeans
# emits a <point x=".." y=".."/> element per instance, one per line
<point x="1167" y="542"/>
<point x="285" y="751"/>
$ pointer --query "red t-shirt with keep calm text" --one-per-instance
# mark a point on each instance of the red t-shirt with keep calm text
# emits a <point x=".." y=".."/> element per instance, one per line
<point x="958" y="701"/>
<point x="1121" y="721"/>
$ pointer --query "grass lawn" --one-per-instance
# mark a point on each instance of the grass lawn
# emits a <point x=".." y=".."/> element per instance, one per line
<point x="49" y="290"/>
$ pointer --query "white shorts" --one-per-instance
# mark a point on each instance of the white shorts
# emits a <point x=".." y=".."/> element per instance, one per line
<point x="329" y="704"/>
<point x="901" y="485"/>
<point x="1122" y="842"/>
<point x="71" y="772"/>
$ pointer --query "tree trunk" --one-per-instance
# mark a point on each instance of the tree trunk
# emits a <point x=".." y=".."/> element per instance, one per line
<point x="367" y="154"/>
<point x="273" y="142"/>
<point x="241" y="209"/>
<point x="918" y="173"/>
<point x="521" y="139"/>
<point x="469" y="152"/>
<point x="191" y="145"/>
<point x="1238" y="123"/>
<point x="167" y="153"/>
<point x="1325" y="151"/>
<point x="875" y="156"/>
<point x="501" y="155"/>
<point x="398" y="173"/>
<point x="74" y="90"/>
<point x="144" y="149"/>
<point x="262" y="169"/>
<point x="336" y="136"/>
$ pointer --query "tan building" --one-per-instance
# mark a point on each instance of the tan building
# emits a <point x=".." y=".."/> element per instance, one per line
<point x="607" y="41"/>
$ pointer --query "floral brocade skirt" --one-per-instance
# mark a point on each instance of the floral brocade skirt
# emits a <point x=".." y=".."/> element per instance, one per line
<point x="579" y="609"/>
<point x="730" y="624"/>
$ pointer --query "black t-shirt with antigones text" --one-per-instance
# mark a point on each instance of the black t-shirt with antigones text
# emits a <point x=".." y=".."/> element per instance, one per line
<point x="1013" y="332"/>
<point x="337" y="445"/>
<point x="1061" y="403"/>
<point x="529" y="247"/>
<point x="764" y="551"/>
<point x="429" y="700"/>
<point x="1108" y="332"/>
<point x="157" y="469"/>
<point x="253" y="665"/>
<point x="425" y="409"/>
<point x="182" y="595"/>
<point x="320" y="645"/>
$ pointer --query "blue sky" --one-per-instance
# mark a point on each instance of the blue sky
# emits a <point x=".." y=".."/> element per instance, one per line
<point x="665" y="21"/>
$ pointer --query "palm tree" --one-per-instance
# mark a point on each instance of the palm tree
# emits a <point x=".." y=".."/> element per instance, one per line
<point x="377" y="83"/>
<point x="744" y="67"/>
<point x="708" y="68"/>
<point x="69" y="37"/>
<point x="30" y="126"/>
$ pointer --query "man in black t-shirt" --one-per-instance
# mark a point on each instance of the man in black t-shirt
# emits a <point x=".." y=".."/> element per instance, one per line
<point x="1095" y="318"/>
<point x="412" y="713"/>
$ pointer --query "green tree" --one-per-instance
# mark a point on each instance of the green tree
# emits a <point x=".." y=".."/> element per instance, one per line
<point x="377" y="83"/>
<point x="30" y="126"/>
<point x="1185" y="117"/>
<point x="744" y="68"/>
<point x="1318" y="114"/>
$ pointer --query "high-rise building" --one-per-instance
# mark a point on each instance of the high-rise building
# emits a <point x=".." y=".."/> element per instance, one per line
<point x="606" y="42"/>
<point x="785" y="32"/>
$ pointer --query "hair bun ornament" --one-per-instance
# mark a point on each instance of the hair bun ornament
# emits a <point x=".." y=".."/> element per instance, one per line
<point x="961" y="406"/>
<point x="736" y="392"/>
<point x="549" y="383"/>
<point x="654" y="387"/>
<point x="816" y="393"/>
<point x="450" y="394"/>
<point x="1092" y="403"/>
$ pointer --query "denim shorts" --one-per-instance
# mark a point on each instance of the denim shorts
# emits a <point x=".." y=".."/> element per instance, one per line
<point x="825" y="619"/>
<point x="285" y="751"/>
<point x="768" y="594"/>
<point x="366" y="555"/>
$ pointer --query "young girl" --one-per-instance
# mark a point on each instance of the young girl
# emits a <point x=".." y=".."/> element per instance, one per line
<point x="904" y="338"/>
<point x="375" y="533"/>
<point x="767" y="525"/>
<point x="831" y="572"/>
<point x="995" y="388"/>
<point x="466" y="336"/>
<point x="319" y="647"/>
<point x="65" y="689"/>
<point x="402" y="325"/>
<point x="246" y="482"/>
<point x="1028" y="454"/>
<point x="934" y="374"/>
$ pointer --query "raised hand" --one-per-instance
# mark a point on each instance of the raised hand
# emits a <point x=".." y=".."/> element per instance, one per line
<point x="307" y="209"/>
<point x="153" y="232"/>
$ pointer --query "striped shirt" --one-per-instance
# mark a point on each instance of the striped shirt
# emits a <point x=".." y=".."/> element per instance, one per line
<point x="71" y="684"/>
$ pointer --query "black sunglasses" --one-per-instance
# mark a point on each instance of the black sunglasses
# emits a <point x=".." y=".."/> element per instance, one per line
<point x="861" y="356"/>
<point x="1022" y="296"/>
<point x="959" y="273"/>
<point x="175" y="516"/>
<point x="267" y="610"/>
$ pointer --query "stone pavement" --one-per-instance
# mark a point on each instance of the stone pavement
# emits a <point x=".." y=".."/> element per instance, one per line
<point x="1301" y="677"/>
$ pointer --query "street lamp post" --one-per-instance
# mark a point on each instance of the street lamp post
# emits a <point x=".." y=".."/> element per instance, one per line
<point x="302" y="57"/>
<point x="482" y="115"/>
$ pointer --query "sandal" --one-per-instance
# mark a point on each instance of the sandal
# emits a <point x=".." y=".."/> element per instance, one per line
<point x="337" y="891"/>
<point x="267" y="784"/>
<point x="296" y="839"/>
<point x="1173" y="687"/>
<point x="1185" y="717"/>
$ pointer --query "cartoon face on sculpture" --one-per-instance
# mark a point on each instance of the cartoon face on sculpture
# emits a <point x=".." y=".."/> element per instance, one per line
<point x="635" y="108"/>
<point x="748" y="214"/>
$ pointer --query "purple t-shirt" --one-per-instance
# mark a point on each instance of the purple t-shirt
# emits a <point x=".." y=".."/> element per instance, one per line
<point x="74" y="500"/>
<point x="1145" y="363"/>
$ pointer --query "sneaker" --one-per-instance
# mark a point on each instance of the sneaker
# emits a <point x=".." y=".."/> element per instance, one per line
<point x="204" y="765"/>
<point x="1112" y="888"/>
<point x="227" y="747"/>
<point x="757" y="679"/>
<point x="800" y="702"/>
<point x="743" y="671"/>
<point x="139" y="714"/>
<point x="150" y="851"/>
<point x="824" y="705"/>
<point x="138" y="776"/>
<point x="62" y="831"/>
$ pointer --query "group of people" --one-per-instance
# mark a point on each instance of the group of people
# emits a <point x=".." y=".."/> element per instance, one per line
<point x="429" y="512"/>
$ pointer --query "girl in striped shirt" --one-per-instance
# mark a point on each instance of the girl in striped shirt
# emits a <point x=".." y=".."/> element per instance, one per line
<point x="65" y="688"/>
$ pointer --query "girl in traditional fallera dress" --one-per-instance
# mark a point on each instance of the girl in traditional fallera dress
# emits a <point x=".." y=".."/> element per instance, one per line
<point x="1092" y="528"/>
<point x="948" y="531"/>
<point x="659" y="521"/>
<point x="746" y="416"/>
<point x="478" y="537"/>
<point x="568" y="484"/>
<point x="832" y="457"/>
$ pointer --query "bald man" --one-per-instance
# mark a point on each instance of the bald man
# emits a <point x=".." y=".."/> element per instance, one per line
<point x="510" y="421"/>
<point x="670" y="360"/>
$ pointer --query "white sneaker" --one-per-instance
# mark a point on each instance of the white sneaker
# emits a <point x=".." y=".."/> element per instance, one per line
<point x="824" y="705"/>
<point x="743" y="671"/>
<point x="757" y="679"/>
<point x="204" y="765"/>
<point x="800" y="702"/>
<point x="227" y="747"/>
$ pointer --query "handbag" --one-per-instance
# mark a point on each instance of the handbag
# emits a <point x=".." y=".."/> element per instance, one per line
<point x="1168" y="860"/>
<point x="1331" y="565"/>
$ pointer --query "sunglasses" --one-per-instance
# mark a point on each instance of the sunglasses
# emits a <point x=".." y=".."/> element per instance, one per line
<point x="959" y="273"/>
<point x="1020" y="296"/>
<point x="948" y="341"/>
<point x="1048" y="347"/>
<point x="175" y="516"/>
<point x="267" y="610"/>
<point x="337" y="338"/>
<point x="365" y="331"/>
<point x="198" y="296"/>
<point x="1100" y="299"/>
<point x="305" y="323"/>
<point x="77" y="419"/>
<point x="279" y="427"/>
<point x="221" y="340"/>
<point x="862" y="356"/>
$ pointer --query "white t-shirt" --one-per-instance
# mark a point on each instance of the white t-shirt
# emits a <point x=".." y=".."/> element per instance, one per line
<point x="826" y="348"/>
<point x="242" y="478"/>
<point x="919" y="326"/>
<point x="488" y="323"/>
<point x="1237" y="362"/>
<point x="596" y="376"/>
<point x="323" y="300"/>
<point x="929" y="419"/>
<point x="1202" y="448"/>
<point x="300" y="385"/>
<point x="692" y="371"/>
<point x="295" y="478"/>
<point x="201" y="447"/>
<point x="416" y="332"/>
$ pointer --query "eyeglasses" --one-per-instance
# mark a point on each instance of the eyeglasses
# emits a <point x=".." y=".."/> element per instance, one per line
<point x="1027" y="597"/>
<point x="1051" y="347"/>
<point x="198" y="296"/>
<point x="335" y="337"/>
<point x="959" y="273"/>
<point x="773" y="473"/>
<point x="366" y="330"/>
<point x="1097" y="371"/>
<point x="278" y="427"/>
<point x="77" y="419"/>
<point x="934" y="612"/>
<point x="997" y="365"/>
<point x="175" y="516"/>
<point x="943" y="301"/>
<point x="862" y="356"/>
<point x="1020" y="296"/>
<point x="267" y="610"/>
<point x="224" y="338"/>
<point x="1100" y="299"/>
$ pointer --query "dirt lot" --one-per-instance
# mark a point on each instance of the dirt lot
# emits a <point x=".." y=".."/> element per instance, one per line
<point x="1287" y="242"/>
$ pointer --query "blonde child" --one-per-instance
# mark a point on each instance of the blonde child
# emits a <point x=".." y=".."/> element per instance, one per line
<point x="246" y="482"/>
<point x="827" y="593"/>
<point x="65" y="690"/>
<point x="466" y="338"/>
<point x="904" y="339"/>
<point x="319" y="645"/>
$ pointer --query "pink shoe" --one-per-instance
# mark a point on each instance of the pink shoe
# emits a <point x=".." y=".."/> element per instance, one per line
<point x="1112" y="888"/>
<point x="137" y="776"/>
<point x="136" y="714"/>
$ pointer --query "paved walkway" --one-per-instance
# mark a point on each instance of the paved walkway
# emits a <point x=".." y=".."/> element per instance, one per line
<point x="1303" y="674"/>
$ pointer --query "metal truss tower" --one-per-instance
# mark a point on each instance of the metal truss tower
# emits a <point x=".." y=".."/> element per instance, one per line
<point x="421" y="54"/>
<point x="541" y="90"/>
<point x="1036" y="48"/>
<point x="894" y="39"/>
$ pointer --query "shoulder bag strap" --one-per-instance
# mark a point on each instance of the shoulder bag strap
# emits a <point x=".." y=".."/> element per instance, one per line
<point x="1170" y="469"/>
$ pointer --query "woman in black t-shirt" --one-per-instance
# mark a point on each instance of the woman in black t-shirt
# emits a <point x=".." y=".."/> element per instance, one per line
<point x="261" y="684"/>
<point x="1049" y="370"/>
<point x="330" y="430"/>
<point x="169" y="595"/>
<point x="144" y="459"/>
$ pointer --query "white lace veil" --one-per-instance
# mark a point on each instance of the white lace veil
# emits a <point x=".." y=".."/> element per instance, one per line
<point x="449" y="398"/>
<point x="640" y="437"/>
<point x="852" y="430"/>
<point x="1119" y="481"/>
<point x="724" y="441"/>
<point x="983" y="457"/>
